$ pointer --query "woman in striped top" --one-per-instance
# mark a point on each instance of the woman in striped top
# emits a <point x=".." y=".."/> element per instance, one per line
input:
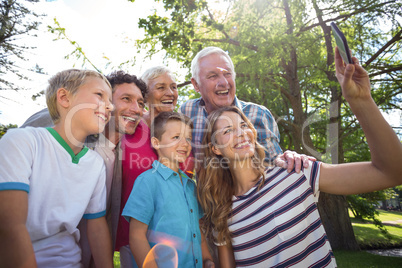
<point x="266" y="217"/>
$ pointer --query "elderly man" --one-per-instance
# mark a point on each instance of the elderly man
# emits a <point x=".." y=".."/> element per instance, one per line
<point x="128" y="98"/>
<point x="213" y="76"/>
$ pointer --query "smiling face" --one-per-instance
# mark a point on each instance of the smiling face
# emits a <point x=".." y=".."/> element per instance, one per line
<point x="90" y="107"/>
<point x="175" y="144"/>
<point x="162" y="96"/>
<point x="233" y="137"/>
<point x="129" y="104"/>
<point x="216" y="82"/>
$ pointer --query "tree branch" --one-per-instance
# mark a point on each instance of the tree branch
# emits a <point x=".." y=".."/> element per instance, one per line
<point x="386" y="71"/>
<point x="228" y="41"/>
<point x="345" y="16"/>
<point x="394" y="39"/>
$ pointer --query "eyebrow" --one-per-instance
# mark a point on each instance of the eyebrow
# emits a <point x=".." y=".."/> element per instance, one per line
<point x="105" y="92"/>
<point x="222" y="69"/>
<point x="241" y="123"/>
<point x="131" y="96"/>
<point x="212" y="72"/>
<point x="228" y="126"/>
<point x="165" y="84"/>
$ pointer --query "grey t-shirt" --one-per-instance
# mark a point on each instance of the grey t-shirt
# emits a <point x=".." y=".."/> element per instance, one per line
<point x="39" y="119"/>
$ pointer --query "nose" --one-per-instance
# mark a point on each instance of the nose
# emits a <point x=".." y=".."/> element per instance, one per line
<point x="169" y="91"/>
<point x="109" y="106"/>
<point x="223" y="82"/>
<point x="240" y="132"/>
<point x="135" y="108"/>
<point x="184" y="142"/>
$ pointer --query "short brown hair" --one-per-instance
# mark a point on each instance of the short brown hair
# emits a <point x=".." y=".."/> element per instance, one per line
<point x="120" y="77"/>
<point x="160" y="121"/>
<point x="71" y="80"/>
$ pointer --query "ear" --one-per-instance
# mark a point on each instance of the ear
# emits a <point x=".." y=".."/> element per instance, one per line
<point x="215" y="149"/>
<point x="63" y="97"/>
<point x="195" y="85"/>
<point x="155" y="143"/>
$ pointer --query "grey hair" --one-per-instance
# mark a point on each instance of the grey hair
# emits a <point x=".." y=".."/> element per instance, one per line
<point x="195" y="64"/>
<point x="155" y="72"/>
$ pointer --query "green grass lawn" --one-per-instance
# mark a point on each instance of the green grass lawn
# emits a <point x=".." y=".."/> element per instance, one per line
<point x="116" y="259"/>
<point x="385" y="215"/>
<point x="390" y="215"/>
<point x="363" y="259"/>
<point x="369" y="236"/>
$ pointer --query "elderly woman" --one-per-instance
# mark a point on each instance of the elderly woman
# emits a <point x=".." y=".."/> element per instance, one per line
<point x="162" y="92"/>
<point x="267" y="217"/>
<point x="138" y="155"/>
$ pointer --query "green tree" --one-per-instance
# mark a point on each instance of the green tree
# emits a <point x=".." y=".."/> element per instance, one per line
<point x="4" y="128"/>
<point x="284" y="60"/>
<point x="283" y="53"/>
<point x="16" y="20"/>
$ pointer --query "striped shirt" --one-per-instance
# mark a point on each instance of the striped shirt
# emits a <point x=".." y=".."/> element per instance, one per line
<point x="279" y="225"/>
<point x="259" y="116"/>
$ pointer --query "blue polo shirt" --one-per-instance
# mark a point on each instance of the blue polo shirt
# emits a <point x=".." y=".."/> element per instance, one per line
<point x="170" y="209"/>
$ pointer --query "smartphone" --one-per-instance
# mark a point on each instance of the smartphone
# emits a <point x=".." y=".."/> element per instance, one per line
<point x="341" y="43"/>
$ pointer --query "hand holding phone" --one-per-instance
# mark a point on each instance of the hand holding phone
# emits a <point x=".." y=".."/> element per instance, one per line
<point x="342" y="44"/>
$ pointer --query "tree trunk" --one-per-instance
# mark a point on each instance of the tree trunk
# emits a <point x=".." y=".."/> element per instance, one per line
<point x="335" y="218"/>
<point x="334" y="208"/>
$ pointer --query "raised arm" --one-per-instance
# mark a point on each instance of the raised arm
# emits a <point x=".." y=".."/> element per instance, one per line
<point x="385" y="168"/>
<point x="15" y="244"/>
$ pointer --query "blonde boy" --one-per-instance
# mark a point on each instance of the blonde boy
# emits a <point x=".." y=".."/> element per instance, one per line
<point x="49" y="180"/>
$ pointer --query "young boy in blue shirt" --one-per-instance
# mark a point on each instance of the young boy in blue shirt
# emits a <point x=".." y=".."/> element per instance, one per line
<point x="163" y="207"/>
<point x="49" y="180"/>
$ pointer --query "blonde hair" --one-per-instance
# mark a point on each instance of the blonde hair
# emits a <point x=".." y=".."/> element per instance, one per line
<point x="215" y="187"/>
<point x="70" y="80"/>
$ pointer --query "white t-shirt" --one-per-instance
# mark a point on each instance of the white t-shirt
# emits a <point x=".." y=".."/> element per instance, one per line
<point x="62" y="188"/>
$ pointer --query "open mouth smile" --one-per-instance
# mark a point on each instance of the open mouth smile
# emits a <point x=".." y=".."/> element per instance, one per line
<point x="102" y="116"/>
<point x="242" y="145"/>
<point x="129" y="119"/>
<point x="167" y="102"/>
<point x="182" y="152"/>
<point x="222" y="92"/>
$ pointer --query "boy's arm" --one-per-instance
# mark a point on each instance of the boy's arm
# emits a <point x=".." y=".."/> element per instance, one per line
<point x="139" y="244"/>
<point x="100" y="242"/>
<point x="385" y="148"/>
<point x="226" y="257"/>
<point x="206" y="255"/>
<point x="15" y="244"/>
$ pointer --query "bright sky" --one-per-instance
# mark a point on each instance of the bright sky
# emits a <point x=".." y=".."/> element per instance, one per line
<point x="102" y="28"/>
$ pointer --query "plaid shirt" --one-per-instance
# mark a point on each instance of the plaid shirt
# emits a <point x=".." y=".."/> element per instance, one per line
<point x="259" y="116"/>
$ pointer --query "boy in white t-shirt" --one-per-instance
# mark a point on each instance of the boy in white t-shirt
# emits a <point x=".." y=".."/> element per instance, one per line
<point x="49" y="180"/>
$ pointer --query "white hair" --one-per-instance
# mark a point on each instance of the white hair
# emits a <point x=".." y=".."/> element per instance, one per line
<point x="155" y="72"/>
<point x="195" y="64"/>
